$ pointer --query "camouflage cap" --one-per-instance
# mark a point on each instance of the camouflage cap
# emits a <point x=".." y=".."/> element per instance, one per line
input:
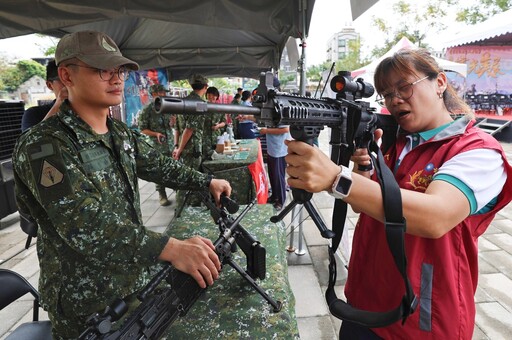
<point x="94" y="48"/>
<point x="198" y="79"/>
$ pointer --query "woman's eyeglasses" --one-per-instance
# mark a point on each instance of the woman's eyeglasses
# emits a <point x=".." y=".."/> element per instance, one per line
<point x="403" y="92"/>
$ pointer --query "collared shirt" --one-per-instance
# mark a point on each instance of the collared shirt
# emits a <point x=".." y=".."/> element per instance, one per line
<point x="480" y="186"/>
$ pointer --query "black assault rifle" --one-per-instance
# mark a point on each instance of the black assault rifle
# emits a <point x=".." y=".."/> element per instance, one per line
<point x="161" y="306"/>
<point x="353" y="123"/>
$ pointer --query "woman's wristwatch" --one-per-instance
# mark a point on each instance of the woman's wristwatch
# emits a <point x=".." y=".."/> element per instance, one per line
<point x="342" y="184"/>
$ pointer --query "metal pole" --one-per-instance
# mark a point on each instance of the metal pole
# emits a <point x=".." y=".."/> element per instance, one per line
<point x="291" y="248"/>
<point x="300" y="251"/>
<point x="302" y="59"/>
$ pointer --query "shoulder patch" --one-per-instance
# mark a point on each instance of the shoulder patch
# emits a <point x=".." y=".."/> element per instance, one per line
<point x="49" y="174"/>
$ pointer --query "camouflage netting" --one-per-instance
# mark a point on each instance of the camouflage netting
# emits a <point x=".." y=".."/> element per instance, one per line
<point x="231" y="308"/>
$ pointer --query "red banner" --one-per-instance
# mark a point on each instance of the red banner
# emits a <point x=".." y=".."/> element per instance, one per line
<point x="259" y="177"/>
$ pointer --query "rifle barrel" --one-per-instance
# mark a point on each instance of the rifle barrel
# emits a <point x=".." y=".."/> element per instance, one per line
<point x="178" y="105"/>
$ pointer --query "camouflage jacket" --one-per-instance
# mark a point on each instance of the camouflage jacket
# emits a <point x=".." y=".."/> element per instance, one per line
<point x="157" y="122"/>
<point x="81" y="188"/>
<point x="195" y="122"/>
<point x="210" y="136"/>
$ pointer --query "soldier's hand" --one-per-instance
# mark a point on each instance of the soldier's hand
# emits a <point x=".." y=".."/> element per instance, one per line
<point x="195" y="256"/>
<point x="176" y="154"/>
<point x="219" y="187"/>
<point x="160" y="138"/>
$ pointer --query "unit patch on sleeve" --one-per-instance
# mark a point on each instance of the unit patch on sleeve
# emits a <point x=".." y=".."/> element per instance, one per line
<point x="49" y="173"/>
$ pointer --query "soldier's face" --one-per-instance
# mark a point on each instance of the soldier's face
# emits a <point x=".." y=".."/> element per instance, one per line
<point x="87" y="87"/>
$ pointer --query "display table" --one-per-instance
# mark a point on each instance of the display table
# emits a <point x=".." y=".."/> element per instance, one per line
<point x="231" y="308"/>
<point x="244" y="169"/>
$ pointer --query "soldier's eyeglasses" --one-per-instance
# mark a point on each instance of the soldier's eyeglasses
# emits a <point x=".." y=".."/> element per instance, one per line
<point x="403" y="92"/>
<point x="106" y="75"/>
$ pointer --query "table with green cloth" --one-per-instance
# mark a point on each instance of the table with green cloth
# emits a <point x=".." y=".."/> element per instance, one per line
<point x="235" y="169"/>
<point x="232" y="308"/>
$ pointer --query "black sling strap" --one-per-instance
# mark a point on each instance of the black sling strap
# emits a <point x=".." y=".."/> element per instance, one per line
<point x="395" y="225"/>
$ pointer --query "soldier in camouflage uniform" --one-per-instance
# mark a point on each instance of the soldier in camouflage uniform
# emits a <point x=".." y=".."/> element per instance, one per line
<point x="158" y="127"/>
<point x="76" y="175"/>
<point x="214" y="124"/>
<point x="190" y="129"/>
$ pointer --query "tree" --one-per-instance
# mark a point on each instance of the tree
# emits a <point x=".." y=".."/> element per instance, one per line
<point x="418" y="20"/>
<point x="482" y="11"/>
<point x="412" y="20"/>
<point x="352" y="60"/>
<point x="12" y="77"/>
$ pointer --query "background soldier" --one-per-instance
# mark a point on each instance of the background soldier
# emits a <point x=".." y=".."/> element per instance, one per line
<point x="214" y="124"/>
<point x="158" y="127"/>
<point x="190" y="129"/>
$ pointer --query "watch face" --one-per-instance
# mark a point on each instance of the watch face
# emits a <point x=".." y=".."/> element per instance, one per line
<point x="343" y="185"/>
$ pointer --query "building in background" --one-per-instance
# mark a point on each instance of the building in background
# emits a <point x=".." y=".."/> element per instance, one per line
<point x="338" y="44"/>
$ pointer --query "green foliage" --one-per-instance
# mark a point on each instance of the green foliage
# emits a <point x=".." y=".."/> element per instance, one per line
<point x="353" y="59"/>
<point x="417" y="20"/>
<point x="351" y="62"/>
<point x="314" y="72"/>
<point x="287" y="79"/>
<point x="482" y="11"/>
<point x="222" y="84"/>
<point x="12" y="77"/>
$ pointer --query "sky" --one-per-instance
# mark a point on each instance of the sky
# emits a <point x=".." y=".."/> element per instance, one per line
<point x="329" y="17"/>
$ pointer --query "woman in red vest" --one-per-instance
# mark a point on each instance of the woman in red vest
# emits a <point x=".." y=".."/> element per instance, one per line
<point x="452" y="178"/>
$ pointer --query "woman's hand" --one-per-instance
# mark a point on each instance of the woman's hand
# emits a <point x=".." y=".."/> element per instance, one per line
<point x="309" y="168"/>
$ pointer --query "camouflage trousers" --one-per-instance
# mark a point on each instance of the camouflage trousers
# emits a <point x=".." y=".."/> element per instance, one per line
<point x="161" y="190"/>
<point x="181" y="195"/>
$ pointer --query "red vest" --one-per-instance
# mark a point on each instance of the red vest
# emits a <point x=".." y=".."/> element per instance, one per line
<point x="443" y="272"/>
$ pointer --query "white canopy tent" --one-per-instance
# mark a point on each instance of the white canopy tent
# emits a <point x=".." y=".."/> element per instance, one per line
<point x="368" y="71"/>
<point x="496" y="30"/>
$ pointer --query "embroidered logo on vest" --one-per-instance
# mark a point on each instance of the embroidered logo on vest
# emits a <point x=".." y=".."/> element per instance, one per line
<point x="420" y="179"/>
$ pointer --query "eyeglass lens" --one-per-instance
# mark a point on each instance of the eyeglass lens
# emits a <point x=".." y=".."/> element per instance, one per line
<point x="122" y="73"/>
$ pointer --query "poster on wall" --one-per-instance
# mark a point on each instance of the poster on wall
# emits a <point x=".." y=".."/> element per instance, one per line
<point x="136" y="91"/>
<point x="489" y="68"/>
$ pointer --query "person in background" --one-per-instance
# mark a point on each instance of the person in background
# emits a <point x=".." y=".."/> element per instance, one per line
<point x="277" y="150"/>
<point x="158" y="127"/>
<point x="454" y="178"/>
<point x="236" y="99"/>
<point x="232" y="117"/>
<point x="76" y="173"/>
<point x="214" y="124"/>
<point x="189" y="136"/>
<point x="246" y="125"/>
<point x="35" y="114"/>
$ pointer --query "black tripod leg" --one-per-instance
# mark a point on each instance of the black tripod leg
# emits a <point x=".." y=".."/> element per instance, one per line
<point x="326" y="233"/>
<point x="284" y="212"/>
<point x="276" y="304"/>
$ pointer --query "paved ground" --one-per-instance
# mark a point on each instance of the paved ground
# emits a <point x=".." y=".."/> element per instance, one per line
<point x="307" y="272"/>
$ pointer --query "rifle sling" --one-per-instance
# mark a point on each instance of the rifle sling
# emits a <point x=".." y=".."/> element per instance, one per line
<point x="395" y="225"/>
